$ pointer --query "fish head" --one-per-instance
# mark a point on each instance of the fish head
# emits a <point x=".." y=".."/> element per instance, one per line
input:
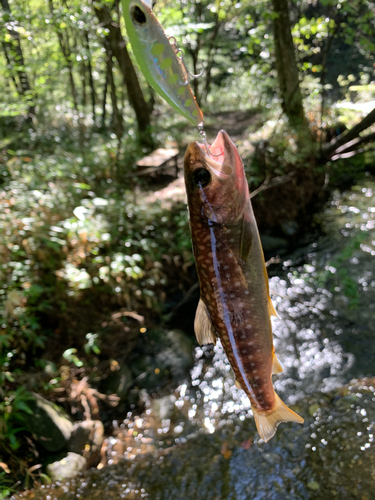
<point x="215" y="180"/>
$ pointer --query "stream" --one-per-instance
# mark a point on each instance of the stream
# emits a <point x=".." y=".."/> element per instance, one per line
<point x="201" y="443"/>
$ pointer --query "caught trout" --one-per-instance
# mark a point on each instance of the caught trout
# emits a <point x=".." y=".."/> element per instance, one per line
<point x="235" y="304"/>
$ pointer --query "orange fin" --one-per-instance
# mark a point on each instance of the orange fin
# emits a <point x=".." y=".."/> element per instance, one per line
<point x="237" y="384"/>
<point x="277" y="367"/>
<point x="271" y="309"/>
<point x="267" y="423"/>
<point x="203" y="327"/>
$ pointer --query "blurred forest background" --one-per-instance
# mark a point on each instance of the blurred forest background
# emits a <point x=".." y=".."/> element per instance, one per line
<point x="91" y="266"/>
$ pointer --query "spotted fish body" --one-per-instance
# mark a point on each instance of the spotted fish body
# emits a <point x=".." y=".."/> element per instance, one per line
<point x="235" y="303"/>
<point x="158" y="60"/>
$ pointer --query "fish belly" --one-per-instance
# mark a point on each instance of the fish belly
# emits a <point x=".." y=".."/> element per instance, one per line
<point x="238" y="310"/>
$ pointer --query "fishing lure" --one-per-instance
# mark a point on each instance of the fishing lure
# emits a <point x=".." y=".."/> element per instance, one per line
<point x="160" y="59"/>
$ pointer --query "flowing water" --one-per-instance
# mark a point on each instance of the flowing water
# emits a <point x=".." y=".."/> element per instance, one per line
<point x="201" y="442"/>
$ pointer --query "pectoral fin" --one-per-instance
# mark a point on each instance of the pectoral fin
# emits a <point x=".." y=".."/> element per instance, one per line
<point x="203" y="327"/>
<point x="246" y="239"/>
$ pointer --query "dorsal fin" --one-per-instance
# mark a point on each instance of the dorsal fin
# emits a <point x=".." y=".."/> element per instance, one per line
<point x="271" y="309"/>
<point x="203" y="327"/>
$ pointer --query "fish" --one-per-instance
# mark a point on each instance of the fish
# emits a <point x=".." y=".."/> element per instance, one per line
<point x="159" y="59"/>
<point x="235" y="304"/>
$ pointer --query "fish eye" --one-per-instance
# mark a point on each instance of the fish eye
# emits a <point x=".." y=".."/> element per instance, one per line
<point x="137" y="15"/>
<point x="201" y="177"/>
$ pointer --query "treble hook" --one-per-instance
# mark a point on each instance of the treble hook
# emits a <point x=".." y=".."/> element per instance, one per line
<point x="190" y="74"/>
<point x="180" y="54"/>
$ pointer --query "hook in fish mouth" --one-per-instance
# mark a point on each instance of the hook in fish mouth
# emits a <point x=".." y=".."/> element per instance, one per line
<point x="220" y="155"/>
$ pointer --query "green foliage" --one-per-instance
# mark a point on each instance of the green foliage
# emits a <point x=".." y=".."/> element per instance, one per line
<point x="59" y="238"/>
<point x="13" y="412"/>
<point x="76" y="246"/>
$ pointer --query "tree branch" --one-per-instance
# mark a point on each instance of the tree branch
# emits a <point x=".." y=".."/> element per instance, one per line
<point x="332" y="148"/>
<point x="269" y="183"/>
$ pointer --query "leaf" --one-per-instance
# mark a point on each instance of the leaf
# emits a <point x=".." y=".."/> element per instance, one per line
<point x="14" y="443"/>
<point x="225" y="451"/>
<point x="81" y="185"/>
<point x="313" y="485"/>
<point x="21" y="405"/>
<point x="313" y="409"/>
<point x="5" y="467"/>
<point x="246" y="445"/>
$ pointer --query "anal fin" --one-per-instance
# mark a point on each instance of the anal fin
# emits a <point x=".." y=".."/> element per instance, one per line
<point x="276" y="365"/>
<point x="271" y="309"/>
<point x="267" y="422"/>
<point x="203" y="327"/>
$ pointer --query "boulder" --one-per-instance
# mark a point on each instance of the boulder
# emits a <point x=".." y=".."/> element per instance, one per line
<point x="68" y="467"/>
<point x="178" y="356"/>
<point x="49" y="423"/>
<point x="87" y="439"/>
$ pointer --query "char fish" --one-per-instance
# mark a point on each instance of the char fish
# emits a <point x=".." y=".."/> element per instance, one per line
<point x="235" y="304"/>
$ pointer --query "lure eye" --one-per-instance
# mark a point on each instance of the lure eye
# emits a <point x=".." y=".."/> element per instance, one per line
<point x="138" y="16"/>
<point x="201" y="177"/>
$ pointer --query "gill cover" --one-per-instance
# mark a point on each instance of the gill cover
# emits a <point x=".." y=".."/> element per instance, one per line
<point x="158" y="60"/>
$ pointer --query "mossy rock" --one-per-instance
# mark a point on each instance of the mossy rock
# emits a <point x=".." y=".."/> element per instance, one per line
<point x="49" y="423"/>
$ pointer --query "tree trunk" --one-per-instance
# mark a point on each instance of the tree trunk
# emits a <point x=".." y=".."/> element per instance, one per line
<point x="286" y="66"/>
<point x="9" y="63"/>
<point x="15" y="50"/>
<point x="210" y="58"/>
<point x="65" y="49"/>
<point x="83" y="82"/>
<point x="116" y="115"/>
<point x="91" y="79"/>
<point x="104" y="101"/>
<point x="118" y="48"/>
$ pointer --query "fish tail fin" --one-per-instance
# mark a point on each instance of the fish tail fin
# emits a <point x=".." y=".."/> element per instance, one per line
<point x="267" y="423"/>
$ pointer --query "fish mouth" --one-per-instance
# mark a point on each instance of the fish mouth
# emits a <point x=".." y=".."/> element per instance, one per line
<point x="219" y="156"/>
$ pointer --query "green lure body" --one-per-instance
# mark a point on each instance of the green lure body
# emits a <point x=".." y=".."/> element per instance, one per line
<point x="158" y="60"/>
